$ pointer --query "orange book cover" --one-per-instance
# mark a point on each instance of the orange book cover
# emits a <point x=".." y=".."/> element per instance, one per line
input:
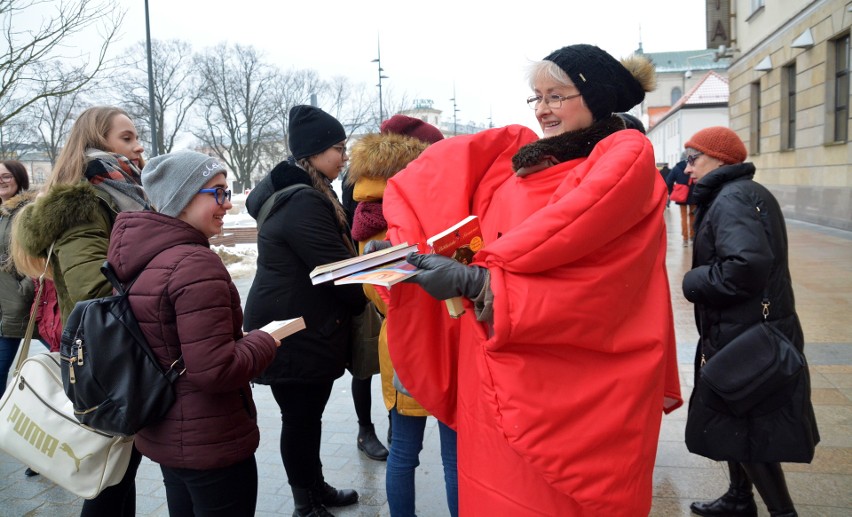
<point x="460" y="241"/>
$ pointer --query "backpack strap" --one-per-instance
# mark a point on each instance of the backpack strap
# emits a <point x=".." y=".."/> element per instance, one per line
<point x="266" y="208"/>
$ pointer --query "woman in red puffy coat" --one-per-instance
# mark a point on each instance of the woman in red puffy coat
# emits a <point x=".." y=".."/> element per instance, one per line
<point x="557" y="376"/>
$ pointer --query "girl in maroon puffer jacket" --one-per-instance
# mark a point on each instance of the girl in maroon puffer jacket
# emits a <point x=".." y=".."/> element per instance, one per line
<point x="187" y="306"/>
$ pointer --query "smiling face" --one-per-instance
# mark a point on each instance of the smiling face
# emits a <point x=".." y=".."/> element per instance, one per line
<point x="203" y="212"/>
<point x="571" y="115"/>
<point x="331" y="161"/>
<point x="123" y="139"/>
<point x="8" y="184"/>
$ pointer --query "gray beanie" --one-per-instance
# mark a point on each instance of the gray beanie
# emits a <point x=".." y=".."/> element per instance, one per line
<point x="172" y="180"/>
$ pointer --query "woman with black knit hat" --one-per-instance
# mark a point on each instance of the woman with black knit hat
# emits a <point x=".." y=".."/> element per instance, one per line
<point x="739" y="277"/>
<point x="305" y="226"/>
<point x="557" y="376"/>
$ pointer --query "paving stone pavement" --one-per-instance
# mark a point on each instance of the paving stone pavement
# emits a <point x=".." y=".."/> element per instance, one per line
<point x="821" y="264"/>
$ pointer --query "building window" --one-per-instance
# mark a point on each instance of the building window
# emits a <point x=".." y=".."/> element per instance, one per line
<point x="754" y="123"/>
<point x="839" y="90"/>
<point x="756" y="5"/>
<point x="677" y="93"/>
<point x="788" y="107"/>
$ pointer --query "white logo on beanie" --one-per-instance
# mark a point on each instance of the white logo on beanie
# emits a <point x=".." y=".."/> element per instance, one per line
<point x="210" y="168"/>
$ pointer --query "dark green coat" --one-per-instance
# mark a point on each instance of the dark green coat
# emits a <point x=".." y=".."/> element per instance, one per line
<point x="16" y="290"/>
<point x="78" y="219"/>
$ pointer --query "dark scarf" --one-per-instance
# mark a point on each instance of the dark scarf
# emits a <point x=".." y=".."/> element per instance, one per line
<point x="118" y="177"/>
<point x="547" y="152"/>
<point x="368" y="221"/>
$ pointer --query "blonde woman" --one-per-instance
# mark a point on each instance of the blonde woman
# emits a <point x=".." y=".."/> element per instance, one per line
<point x="96" y="177"/>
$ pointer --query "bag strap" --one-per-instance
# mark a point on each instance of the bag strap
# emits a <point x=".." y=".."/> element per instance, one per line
<point x="177" y="367"/>
<point x="266" y="208"/>
<point x="24" y="349"/>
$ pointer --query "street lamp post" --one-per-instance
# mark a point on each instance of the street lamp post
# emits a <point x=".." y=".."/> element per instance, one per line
<point x="455" y="110"/>
<point x="152" y="119"/>
<point x="378" y="60"/>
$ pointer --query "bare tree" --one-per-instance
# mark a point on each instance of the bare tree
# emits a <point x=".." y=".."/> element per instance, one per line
<point x="176" y="89"/>
<point x="51" y="117"/>
<point x="237" y="111"/>
<point x="16" y="137"/>
<point x="25" y="49"/>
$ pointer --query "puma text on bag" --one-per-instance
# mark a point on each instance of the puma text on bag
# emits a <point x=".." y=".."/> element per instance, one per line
<point x="37" y="426"/>
<point x="109" y="372"/>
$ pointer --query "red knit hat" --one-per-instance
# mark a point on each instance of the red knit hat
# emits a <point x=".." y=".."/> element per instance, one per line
<point x="413" y="127"/>
<point x="719" y="142"/>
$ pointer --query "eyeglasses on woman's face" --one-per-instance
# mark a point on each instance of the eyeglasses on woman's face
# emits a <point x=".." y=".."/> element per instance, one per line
<point x="690" y="160"/>
<point x="6" y="178"/>
<point x="552" y="100"/>
<point x="219" y="193"/>
<point x="340" y="148"/>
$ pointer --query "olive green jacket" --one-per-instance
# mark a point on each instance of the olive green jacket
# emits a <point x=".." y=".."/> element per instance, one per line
<point x="16" y="290"/>
<point x="78" y="219"/>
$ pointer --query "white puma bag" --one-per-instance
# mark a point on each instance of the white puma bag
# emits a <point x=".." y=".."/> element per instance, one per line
<point x="38" y="427"/>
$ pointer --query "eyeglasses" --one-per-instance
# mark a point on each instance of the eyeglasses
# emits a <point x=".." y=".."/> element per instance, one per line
<point x="341" y="148"/>
<point x="219" y="193"/>
<point x="6" y="178"/>
<point x="553" y="101"/>
<point x="690" y="160"/>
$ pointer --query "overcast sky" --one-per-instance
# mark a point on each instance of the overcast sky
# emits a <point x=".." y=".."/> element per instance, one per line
<point x="427" y="47"/>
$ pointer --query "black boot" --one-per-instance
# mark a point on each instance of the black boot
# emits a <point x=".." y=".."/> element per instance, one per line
<point x="369" y="443"/>
<point x="770" y="484"/>
<point x="308" y="504"/>
<point x="738" y="501"/>
<point x="331" y="497"/>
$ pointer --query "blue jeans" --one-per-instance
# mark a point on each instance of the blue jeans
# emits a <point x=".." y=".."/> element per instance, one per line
<point x="8" y="349"/>
<point x="404" y="458"/>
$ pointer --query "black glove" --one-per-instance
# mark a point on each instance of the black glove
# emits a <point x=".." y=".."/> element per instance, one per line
<point x="443" y="277"/>
<point x="373" y="246"/>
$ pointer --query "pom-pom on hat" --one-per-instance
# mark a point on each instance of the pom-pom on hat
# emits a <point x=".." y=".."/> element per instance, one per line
<point x="719" y="142"/>
<point x="607" y="85"/>
<point x="312" y="131"/>
<point x="172" y="180"/>
<point x="413" y="127"/>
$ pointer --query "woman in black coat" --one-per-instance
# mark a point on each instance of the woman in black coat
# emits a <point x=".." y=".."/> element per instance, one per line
<point x="306" y="227"/>
<point x="739" y="261"/>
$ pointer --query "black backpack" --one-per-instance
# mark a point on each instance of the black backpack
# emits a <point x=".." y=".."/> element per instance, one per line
<point x="109" y="372"/>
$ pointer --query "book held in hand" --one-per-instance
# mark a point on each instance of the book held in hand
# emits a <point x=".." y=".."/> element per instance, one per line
<point x="460" y="242"/>
<point x="344" y="268"/>
<point x="280" y="329"/>
<point x="385" y="275"/>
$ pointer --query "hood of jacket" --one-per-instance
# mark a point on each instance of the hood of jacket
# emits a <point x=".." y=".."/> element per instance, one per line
<point x="381" y="156"/>
<point x="708" y="187"/>
<point x="7" y="211"/>
<point x="16" y="202"/>
<point x="138" y="237"/>
<point x="63" y="207"/>
<point x="281" y="176"/>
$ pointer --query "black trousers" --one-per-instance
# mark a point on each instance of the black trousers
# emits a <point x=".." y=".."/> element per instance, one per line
<point x="118" y="500"/>
<point x="224" y="492"/>
<point x="302" y="406"/>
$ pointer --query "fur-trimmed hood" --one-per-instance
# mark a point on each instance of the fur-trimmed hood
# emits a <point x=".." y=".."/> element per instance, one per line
<point x="381" y="156"/>
<point x="14" y="203"/>
<point x="7" y="211"/>
<point x="63" y="207"/>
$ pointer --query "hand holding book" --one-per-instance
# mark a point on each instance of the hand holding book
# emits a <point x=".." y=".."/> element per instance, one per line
<point x="444" y="278"/>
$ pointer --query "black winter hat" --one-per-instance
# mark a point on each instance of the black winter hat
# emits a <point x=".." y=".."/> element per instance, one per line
<point x="312" y="131"/>
<point x="606" y="84"/>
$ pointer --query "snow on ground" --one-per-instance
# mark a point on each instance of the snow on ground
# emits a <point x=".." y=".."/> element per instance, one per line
<point x="247" y="264"/>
